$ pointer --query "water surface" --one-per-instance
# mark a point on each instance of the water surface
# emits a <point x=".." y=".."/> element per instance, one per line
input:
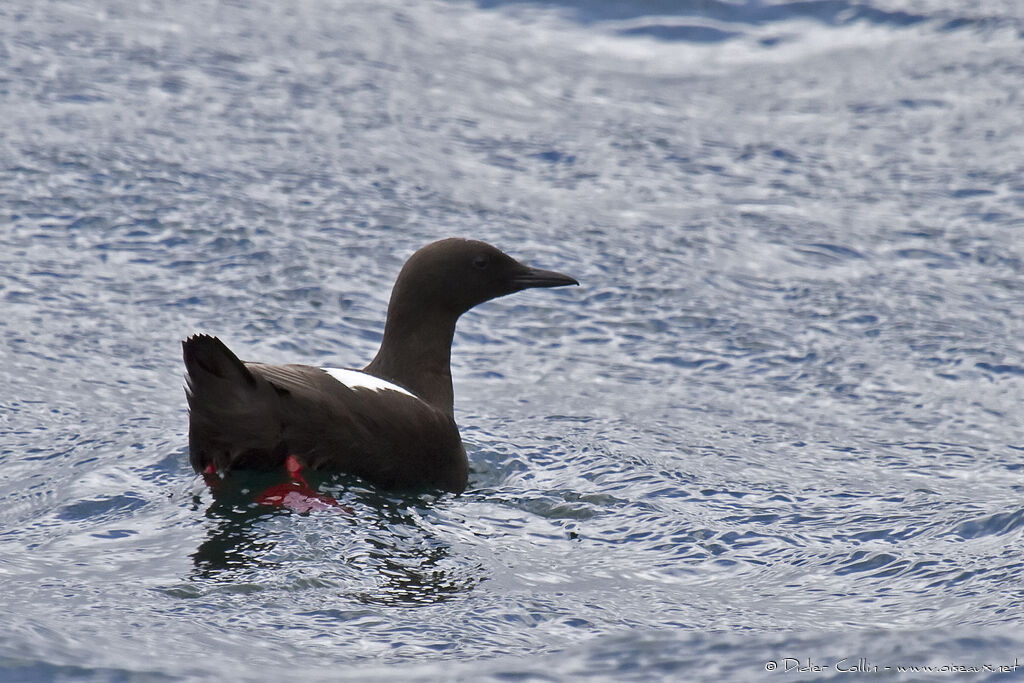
<point x="780" y="421"/>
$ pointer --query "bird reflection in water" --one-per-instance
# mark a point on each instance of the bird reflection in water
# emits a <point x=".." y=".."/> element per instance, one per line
<point x="410" y="564"/>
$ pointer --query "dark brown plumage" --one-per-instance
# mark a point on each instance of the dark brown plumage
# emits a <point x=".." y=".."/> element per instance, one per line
<point x="253" y="415"/>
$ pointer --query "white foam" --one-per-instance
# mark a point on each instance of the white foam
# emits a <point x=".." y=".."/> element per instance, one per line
<point x="355" y="379"/>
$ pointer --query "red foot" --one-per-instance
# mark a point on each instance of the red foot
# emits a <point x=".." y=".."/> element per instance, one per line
<point x="211" y="477"/>
<point x="297" y="495"/>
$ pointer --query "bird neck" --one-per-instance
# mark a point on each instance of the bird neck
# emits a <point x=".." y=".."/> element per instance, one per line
<point x="415" y="353"/>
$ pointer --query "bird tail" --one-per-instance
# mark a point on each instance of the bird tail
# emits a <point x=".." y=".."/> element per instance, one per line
<point x="209" y="362"/>
<point x="221" y="392"/>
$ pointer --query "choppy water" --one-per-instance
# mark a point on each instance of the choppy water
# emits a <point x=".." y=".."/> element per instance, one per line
<point x="782" y="418"/>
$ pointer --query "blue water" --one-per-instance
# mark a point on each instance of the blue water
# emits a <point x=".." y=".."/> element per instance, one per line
<point x="780" y="424"/>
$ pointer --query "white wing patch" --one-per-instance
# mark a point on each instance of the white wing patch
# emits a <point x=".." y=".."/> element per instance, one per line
<point x="360" y="380"/>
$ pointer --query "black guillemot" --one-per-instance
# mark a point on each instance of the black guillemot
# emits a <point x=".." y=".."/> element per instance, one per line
<point x="391" y="423"/>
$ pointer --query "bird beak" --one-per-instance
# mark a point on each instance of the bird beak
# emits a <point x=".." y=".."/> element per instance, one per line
<point x="535" y="277"/>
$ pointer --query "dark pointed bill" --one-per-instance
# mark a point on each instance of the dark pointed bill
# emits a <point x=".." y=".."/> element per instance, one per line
<point x="536" y="277"/>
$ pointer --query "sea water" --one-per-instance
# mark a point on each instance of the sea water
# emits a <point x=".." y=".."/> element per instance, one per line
<point x="776" y="433"/>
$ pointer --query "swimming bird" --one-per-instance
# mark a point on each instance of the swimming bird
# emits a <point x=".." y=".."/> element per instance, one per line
<point x="392" y="422"/>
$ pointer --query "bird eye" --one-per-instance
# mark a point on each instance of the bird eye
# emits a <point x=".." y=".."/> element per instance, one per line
<point x="481" y="261"/>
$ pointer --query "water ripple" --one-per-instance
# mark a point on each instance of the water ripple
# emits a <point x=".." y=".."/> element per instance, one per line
<point x="778" y="418"/>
